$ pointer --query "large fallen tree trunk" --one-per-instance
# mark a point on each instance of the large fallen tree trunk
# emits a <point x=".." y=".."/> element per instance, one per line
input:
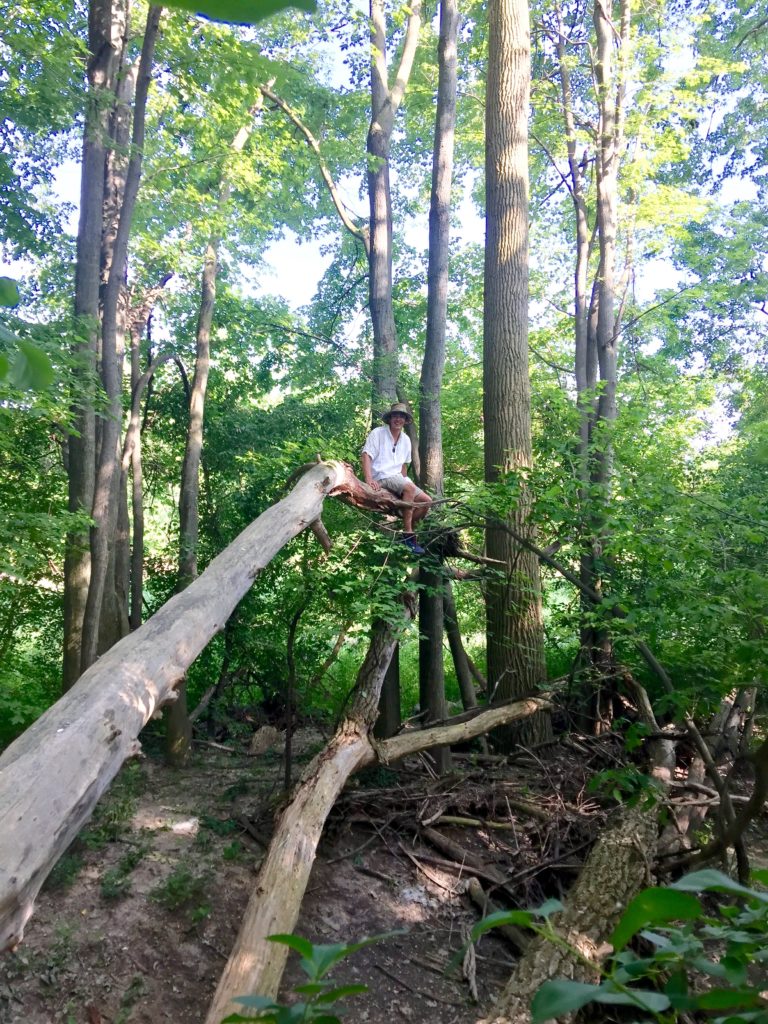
<point x="53" y="775"/>
<point x="255" y="965"/>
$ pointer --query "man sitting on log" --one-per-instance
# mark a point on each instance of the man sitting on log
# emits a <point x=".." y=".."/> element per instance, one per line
<point x="385" y="457"/>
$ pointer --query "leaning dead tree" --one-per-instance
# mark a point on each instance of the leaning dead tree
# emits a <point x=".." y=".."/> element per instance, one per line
<point x="53" y="775"/>
<point x="256" y="965"/>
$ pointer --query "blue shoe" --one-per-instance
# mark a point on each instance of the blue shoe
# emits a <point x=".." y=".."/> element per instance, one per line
<point x="412" y="544"/>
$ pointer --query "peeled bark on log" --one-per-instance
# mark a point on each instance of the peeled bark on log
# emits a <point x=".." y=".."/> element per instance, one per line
<point x="255" y="965"/>
<point x="53" y="775"/>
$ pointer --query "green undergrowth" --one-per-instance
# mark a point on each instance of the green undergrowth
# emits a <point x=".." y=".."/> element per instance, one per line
<point x="184" y="891"/>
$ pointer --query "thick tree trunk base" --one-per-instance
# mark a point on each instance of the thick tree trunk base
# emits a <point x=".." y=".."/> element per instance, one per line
<point x="617" y="867"/>
<point x="615" y="870"/>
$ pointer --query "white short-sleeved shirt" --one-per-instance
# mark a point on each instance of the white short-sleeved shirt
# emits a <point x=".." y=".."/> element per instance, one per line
<point x="387" y="457"/>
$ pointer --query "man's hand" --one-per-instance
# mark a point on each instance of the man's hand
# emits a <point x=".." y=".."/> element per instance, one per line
<point x="367" y="463"/>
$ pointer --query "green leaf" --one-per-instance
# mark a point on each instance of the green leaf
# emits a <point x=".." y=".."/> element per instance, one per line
<point x="650" y="907"/>
<point x="239" y="12"/>
<point x="654" y="1002"/>
<point x="523" y="918"/>
<point x="709" y="878"/>
<point x="4" y="366"/>
<point x="302" y="946"/>
<point x="677" y="990"/>
<point x="31" y="368"/>
<point x="727" y="999"/>
<point x="256" y="1002"/>
<point x="559" y="996"/>
<point x="311" y="988"/>
<point x="9" y="292"/>
<point x="549" y="907"/>
<point x="323" y="958"/>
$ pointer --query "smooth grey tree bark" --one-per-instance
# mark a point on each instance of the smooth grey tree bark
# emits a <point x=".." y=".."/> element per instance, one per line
<point x="385" y="103"/>
<point x="105" y="503"/>
<point x="107" y="23"/>
<point x="431" y="667"/>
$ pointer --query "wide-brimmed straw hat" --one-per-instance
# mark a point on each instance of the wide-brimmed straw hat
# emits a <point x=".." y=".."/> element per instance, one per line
<point x="400" y="407"/>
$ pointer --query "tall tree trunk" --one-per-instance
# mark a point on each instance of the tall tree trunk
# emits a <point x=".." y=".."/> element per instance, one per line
<point x="597" y="332"/>
<point x="139" y="321"/>
<point x="431" y="667"/>
<point x="178" y="734"/>
<point x="377" y="240"/>
<point x="104" y="509"/>
<point x="137" y="492"/>
<point x="113" y="623"/>
<point x="385" y="103"/>
<point x="178" y="726"/>
<point x="514" y="623"/>
<point x="106" y="30"/>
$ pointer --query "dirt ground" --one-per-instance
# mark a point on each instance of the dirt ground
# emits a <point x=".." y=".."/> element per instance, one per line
<point x="137" y="920"/>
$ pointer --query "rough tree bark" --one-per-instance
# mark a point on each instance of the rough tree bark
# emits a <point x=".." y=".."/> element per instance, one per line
<point x="514" y="624"/>
<point x="53" y="775"/>
<point x="617" y="867"/>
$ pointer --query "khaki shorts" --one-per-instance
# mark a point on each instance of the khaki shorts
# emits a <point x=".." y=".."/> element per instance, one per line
<point x="394" y="484"/>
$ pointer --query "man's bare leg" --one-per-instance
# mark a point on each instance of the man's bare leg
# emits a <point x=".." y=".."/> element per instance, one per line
<point x="409" y="492"/>
<point x="420" y="505"/>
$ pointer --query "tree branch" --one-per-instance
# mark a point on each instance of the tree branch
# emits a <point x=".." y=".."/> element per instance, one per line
<point x="362" y="234"/>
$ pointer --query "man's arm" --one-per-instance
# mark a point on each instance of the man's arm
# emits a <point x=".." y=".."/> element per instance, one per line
<point x="405" y="469"/>
<point x="367" y="463"/>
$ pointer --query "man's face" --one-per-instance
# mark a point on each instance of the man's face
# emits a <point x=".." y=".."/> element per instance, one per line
<point x="397" y="419"/>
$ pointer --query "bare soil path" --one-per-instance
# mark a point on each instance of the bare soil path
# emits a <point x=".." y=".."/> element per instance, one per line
<point x="138" y="918"/>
